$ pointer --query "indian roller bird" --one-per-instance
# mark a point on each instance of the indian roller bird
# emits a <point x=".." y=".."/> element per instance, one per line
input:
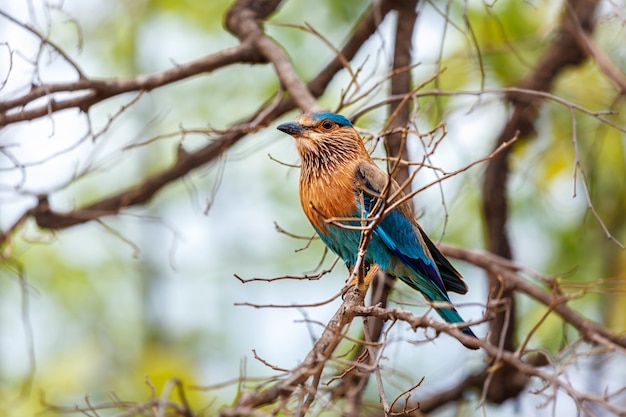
<point x="339" y="181"/>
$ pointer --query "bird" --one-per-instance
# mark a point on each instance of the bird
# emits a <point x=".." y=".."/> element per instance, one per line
<point x="340" y="185"/>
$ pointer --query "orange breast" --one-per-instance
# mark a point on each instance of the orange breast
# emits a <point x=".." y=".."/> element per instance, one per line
<point x="328" y="195"/>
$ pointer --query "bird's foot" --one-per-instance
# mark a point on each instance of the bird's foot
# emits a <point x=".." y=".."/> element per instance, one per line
<point x="363" y="282"/>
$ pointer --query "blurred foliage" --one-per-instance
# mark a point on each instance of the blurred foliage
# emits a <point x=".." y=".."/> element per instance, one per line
<point x="111" y="305"/>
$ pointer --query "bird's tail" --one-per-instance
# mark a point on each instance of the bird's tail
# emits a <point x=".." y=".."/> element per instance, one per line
<point x="450" y="315"/>
<point x="436" y="295"/>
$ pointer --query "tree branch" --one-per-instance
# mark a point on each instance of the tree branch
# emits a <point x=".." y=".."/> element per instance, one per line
<point x="312" y="365"/>
<point x="186" y="162"/>
<point x="508" y="271"/>
<point x="562" y="53"/>
<point x="89" y="91"/>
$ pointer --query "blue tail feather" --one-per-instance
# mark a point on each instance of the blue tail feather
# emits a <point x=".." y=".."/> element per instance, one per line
<point x="450" y="315"/>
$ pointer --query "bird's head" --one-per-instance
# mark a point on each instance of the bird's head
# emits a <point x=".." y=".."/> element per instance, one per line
<point x="325" y="138"/>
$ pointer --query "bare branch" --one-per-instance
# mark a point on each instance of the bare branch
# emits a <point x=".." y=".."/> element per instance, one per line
<point x="89" y="91"/>
<point x="311" y="365"/>
<point x="47" y="218"/>
<point x="496" y="265"/>
<point x="560" y="54"/>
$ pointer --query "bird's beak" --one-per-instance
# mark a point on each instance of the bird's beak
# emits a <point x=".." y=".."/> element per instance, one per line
<point x="291" y="128"/>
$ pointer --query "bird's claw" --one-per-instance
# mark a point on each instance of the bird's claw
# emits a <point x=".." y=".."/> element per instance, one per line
<point x="363" y="282"/>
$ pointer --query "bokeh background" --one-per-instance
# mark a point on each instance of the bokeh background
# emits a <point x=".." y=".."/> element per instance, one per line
<point x="152" y="293"/>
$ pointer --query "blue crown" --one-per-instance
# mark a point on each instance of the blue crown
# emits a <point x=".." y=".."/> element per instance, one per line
<point x="337" y="118"/>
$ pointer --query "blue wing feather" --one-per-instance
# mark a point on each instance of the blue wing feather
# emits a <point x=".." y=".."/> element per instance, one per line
<point x="408" y="241"/>
<point x="407" y="247"/>
<point x="394" y="239"/>
<point x="400" y="235"/>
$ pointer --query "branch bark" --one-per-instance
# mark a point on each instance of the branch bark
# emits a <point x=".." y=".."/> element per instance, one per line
<point x="90" y="91"/>
<point x="47" y="218"/>
<point x="508" y="372"/>
<point x="312" y="365"/>
<point x="354" y="383"/>
<point x="509" y="271"/>
<point x="562" y="53"/>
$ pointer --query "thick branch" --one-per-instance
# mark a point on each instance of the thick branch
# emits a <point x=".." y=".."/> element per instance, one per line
<point x="513" y="359"/>
<point x="562" y="53"/>
<point x="312" y="364"/>
<point x="353" y="386"/>
<point x="90" y="91"/>
<point x="367" y="26"/>
<point x="400" y="113"/>
<point x="508" y="271"/>
<point x="243" y="20"/>
<point x="140" y="194"/>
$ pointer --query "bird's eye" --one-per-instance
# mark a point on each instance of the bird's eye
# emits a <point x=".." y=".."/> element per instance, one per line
<point x="327" y="124"/>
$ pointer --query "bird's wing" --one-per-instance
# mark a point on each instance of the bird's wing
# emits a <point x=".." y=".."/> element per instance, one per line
<point x="452" y="278"/>
<point x="404" y="237"/>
